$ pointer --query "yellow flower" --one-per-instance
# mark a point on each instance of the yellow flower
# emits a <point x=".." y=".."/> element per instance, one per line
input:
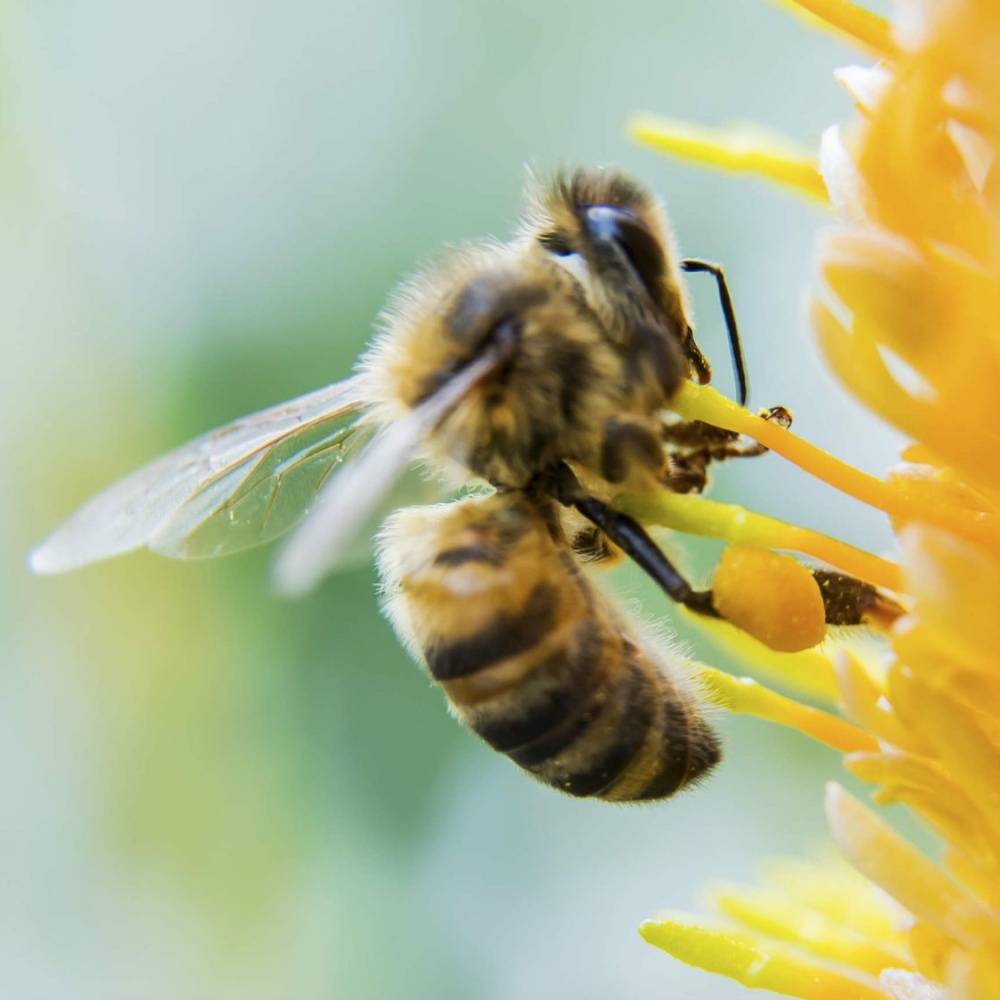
<point x="908" y="316"/>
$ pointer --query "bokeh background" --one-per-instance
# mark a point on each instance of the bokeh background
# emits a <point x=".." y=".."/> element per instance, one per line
<point x="210" y="792"/>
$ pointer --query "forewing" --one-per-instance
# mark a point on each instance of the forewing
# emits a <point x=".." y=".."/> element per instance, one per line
<point x="263" y="497"/>
<point x="232" y="488"/>
<point x="343" y="505"/>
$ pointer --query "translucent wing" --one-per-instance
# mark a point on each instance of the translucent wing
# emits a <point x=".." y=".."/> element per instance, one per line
<point x="343" y="504"/>
<point x="230" y="489"/>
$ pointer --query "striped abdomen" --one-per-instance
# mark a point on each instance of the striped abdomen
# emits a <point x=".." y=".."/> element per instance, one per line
<point x="533" y="658"/>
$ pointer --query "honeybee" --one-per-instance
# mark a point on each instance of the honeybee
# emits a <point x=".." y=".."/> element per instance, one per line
<point x="544" y="368"/>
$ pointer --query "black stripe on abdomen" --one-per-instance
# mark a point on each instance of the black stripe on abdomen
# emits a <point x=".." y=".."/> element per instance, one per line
<point x="477" y="552"/>
<point x="591" y="750"/>
<point x="689" y="749"/>
<point x="554" y="693"/>
<point x="506" y="636"/>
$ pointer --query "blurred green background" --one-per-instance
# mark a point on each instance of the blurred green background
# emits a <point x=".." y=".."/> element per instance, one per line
<point x="212" y="792"/>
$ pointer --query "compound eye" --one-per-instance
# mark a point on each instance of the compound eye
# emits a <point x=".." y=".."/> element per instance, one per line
<point x="620" y="228"/>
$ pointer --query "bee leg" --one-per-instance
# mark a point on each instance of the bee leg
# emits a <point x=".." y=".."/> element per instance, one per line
<point x="849" y="601"/>
<point x="630" y="537"/>
<point x="729" y="314"/>
<point x="697" y="444"/>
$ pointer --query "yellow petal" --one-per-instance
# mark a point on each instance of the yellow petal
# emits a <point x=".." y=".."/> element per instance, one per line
<point x="846" y="186"/>
<point x="905" y="985"/>
<point x="855" y="360"/>
<point x="887" y="278"/>
<point x="974" y="976"/>
<point x="935" y="486"/>
<point x="929" y="790"/>
<point x="854" y="357"/>
<point x="975" y="151"/>
<point x="981" y="879"/>
<point x="775" y="915"/>
<point x="878" y="852"/>
<point x="867" y="85"/>
<point x="931" y="950"/>
<point x="755" y="962"/>
<point x="837" y="891"/>
<point x="933" y="198"/>
<point x="965" y="669"/>
<point x="963" y="746"/>
<point x="927" y="309"/>
<point x="956" y="586"/>
<point x="865" y="703"/>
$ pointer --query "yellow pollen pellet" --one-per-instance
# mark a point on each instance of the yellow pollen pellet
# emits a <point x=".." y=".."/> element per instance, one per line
<point x="772" y="597"/>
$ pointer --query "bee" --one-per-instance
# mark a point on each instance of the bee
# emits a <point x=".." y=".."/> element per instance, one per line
<point x="543" y="367"/>
<point x="500" y="363"/>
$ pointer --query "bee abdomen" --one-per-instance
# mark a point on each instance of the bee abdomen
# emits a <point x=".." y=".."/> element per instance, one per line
<point x="681" y="750"/>
<point x="547" y="701"/>
<point x="533" y="658"/>
<point x="595" y="718"/>
<point x="591" y="752"/>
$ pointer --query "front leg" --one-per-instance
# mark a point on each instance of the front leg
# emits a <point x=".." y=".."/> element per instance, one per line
<point x="693" y="445"/>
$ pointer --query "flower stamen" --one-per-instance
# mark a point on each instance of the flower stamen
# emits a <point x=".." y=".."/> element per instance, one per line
<point x="694" y="515"/>
<point x="861" y="26"/>
<point x="704" y="403"/>
<point x="740" y="148"/>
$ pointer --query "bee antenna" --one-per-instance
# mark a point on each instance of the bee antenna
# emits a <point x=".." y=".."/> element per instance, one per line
<point x="735" y="349"/>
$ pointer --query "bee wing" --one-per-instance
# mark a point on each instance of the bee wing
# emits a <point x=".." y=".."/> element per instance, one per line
<point x="342" y="506"/>
<point x="230" y="489"/>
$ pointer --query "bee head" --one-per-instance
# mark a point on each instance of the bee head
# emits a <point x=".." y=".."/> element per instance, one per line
<point x="613" y="236"/>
